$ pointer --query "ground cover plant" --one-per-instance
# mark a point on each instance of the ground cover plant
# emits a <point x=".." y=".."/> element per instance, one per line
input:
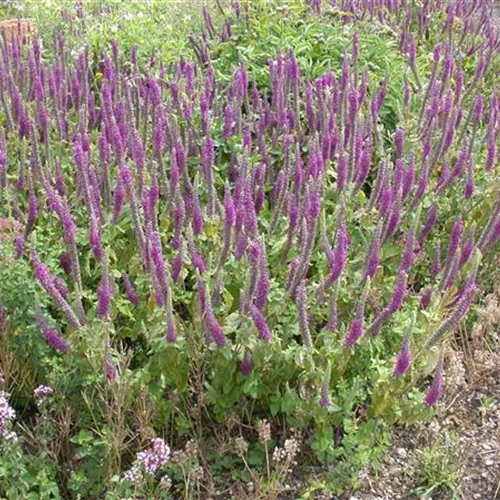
<point x="214" y="270"/>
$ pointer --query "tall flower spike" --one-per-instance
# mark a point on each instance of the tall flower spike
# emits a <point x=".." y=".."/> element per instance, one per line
<point x="373" y="260"/>
<point x="262" y="290"/>
<point x="436" y="389"/>
<point x="425" y="298"/>
<point x="404" y="357"/>
<point x="333" y="319"/>
<point x="46" y="280"/>
<point x="429" y="222"/>
<point x="326" y="398"/>
<point x="104" y="294"/>
<point x="52" y="337"/>
<point x="357" y="324"/>
<point x="212" y="325"/>
<point x="130" y="291"/>
<point x="456" y="233"/>
<point x="409" y="252"/>
<point x="246" y="364"/>
<point x="461" y="309"/>
<point x="260" y="324"/>
<point x="302" y="314"/>
<point x="436" y="263"/>
<point x="468" y="247"/>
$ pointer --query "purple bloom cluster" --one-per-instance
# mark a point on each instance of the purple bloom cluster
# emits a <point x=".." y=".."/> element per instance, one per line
<point x="43" y="395"/>
<point x="7" y="415"/>
<point x="149" y="461"/>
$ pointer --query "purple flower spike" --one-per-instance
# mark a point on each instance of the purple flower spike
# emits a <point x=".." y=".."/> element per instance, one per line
<point x="260" y="324"/>
<point x="326" y="399"/>
<point x="399" y="140"/>
<point x="436" y="263"/>
<point x="456" y="233"/>
<point x="373" y="260"/>
<point x="51" y="335"/>
<point x="430" y="221"/>
<point x="404" y="357"/>
<point x="425" y="298"/>
<point x="436" y="389"/>
<point x="246" y="364"/>
<point x="399" y="293"/>
<point x="355" y="332"/>
<point x="171" y="333"/>
<point x="104" y="295"/>
<point x="403" y="360"/>
<point x="65" y="260"/>
<point x="216" y="331"/>
<point x="130" y="291"/>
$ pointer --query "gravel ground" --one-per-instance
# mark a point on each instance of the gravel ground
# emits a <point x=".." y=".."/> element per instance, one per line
<point x="458" y="452"/>
<point x="467" y="435"/>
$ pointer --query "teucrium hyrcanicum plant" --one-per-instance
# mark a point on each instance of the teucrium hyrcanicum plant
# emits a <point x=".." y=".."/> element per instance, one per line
<point x="277" y="232"/>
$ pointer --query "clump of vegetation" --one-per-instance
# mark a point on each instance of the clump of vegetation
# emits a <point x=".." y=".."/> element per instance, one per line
<point x="275" y="228"/>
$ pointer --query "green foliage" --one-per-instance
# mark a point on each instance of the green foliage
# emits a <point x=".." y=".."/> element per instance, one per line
<point x="439" y="468"/>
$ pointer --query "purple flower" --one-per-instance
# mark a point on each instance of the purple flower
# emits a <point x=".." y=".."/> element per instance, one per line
<point x="212" y="325"/>
<point x="110" y="371"/>
<point x="468" y="247"/>
<point x="342" y="167"/>
<point x="302" y="315"/>
<point x="436" y="263"/>
<point x="477" y="109"/>
<point x="355" y="332"/>
<point x="171" y="332"/>
<point x="456" y="233"/>
<point x="119" y="196"/>
<point x="104" y="295"/>
<point x="460" y="310"/>
<point x="95" y="238"/>
<point x="326" y="399"/>
<point x="43" y="395"/>
<point x="436" y="389"/>
<point x="149" y="461"/>
<point x="130" y="291"/>
<point x="430" y="221"/>
<point x="260" y="324"/>
<point x="425" y="298"/>
<point x="399" y="293"/>
<point x="373" y="260"/>
<point x="216" y="331"/>
<point x="20" y="244"/>
<point x="61" y="286"/>
<point x="246" y="364"/>
<point x="65" y="260"/>
<point x="459" y="165"/>
<point x="409" y="252"/>
<point x="177" y="264"/>
<point x="46" y="280"/>
<point x="404" y="357"/>
<point x="228" y="122"/>
<point x="262" y="290"/>
<point x="52" y="337"/>
<point x="399" y="140"/>
<point x="357" y="324"/>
